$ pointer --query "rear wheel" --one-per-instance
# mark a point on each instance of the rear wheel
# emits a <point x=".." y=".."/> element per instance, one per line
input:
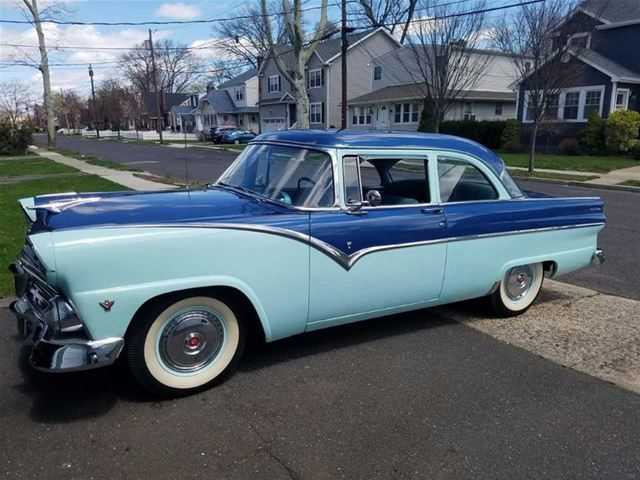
<point x="518" y="289"/>
<point x="181" y="346"/>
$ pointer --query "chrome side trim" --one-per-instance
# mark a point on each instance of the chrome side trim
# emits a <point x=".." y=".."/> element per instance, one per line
<point x="57" y="207"/>
<point x="346" y="261"/>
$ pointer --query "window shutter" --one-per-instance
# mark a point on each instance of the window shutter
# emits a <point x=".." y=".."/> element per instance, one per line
<point x="279" y="84"/>
<point x="322" y="76"/>
<point x="322" y="111"/>
<point x="306" y="73"/>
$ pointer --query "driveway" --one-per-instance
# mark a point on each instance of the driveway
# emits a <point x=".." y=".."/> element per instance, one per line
<point x="408" y="396"/>
<point x="618" y="276"/>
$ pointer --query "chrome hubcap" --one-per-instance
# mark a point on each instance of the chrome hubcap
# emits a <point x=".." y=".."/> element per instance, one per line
<point x="191" y="340"/>
<point x="518" y="282"/>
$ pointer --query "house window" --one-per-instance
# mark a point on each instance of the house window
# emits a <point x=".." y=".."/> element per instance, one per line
<point x="274" y="83"/>
<point x="531" y="107"/>
<point x="551" y="109"/>
<point x="377" y="72"/>
<point x="468" y="111"/>
<point x="240" y="121"/>
<point x="362" y="116"/>
<point x="622" y="99"/>
<point x="571" y="106"/>
<point x="498" y="110"/>
<point x="239" y="92"/>
<point x="225" y="118"/>
<point x="580" y="40"/>
<point x="406" y="113"/>
<point x="527" y="67"/>
<point x="315" y="78"/>
<point x="592" y="103"/>
<point x="315" y="113"/>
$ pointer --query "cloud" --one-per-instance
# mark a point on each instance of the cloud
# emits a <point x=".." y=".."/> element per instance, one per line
<point x="179" y="11"/>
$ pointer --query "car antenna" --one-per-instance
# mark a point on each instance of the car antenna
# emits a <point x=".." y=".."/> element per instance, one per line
<point x="186" y="161"/>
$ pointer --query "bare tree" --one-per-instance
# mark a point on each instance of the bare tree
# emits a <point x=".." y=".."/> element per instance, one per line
<point x="177" y="67"/>
<point x="535" y="40"/>
<point x="68" y="107"/>
<point x="35" y="17"/>
<point x="246" y="38"/>
<point x="300" y="51"/>
<point x="394" y="15"/>
<point x="14" y="99"/>
<point x="442" y="55"/>
<point x="112" y="97"/>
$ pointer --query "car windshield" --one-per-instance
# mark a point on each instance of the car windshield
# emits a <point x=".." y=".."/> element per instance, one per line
<point x="290" y="175"/>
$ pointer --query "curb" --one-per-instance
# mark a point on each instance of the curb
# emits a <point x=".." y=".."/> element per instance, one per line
<point x="574" y="183"/>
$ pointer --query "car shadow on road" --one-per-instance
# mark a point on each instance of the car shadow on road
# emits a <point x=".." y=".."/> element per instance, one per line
<point x="261" y="354"/>
<point x="69" y="397"/>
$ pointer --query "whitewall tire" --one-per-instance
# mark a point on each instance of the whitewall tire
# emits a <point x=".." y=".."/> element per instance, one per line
<point x="518" y="289"/>
<point x="184" y="345"/>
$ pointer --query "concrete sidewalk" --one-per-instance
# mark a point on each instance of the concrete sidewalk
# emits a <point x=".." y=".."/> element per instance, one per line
<point x="588" y="331"/>
<point x="615" y="177"/>
<point x="124" y="178"/>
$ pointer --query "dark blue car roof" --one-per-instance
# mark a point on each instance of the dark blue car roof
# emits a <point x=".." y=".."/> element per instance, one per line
<point x="360" y="139"/>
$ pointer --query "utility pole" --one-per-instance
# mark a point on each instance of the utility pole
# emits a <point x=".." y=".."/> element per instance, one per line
<point x="343" y="106"/>
<point x="155" y="86"/>
<point x="95" y="106"/>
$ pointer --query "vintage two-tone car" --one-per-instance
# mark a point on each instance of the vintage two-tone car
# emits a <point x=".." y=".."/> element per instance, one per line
<point x="305" y="230"/>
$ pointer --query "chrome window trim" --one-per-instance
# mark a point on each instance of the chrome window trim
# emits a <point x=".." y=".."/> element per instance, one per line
<point x="346" y="261"/>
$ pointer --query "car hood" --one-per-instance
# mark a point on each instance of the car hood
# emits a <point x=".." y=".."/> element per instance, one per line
<point x="67" y="211"/>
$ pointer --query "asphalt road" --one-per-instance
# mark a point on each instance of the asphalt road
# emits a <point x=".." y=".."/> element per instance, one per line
<point x="408" y="396"/>
<point x="620" y="240"/>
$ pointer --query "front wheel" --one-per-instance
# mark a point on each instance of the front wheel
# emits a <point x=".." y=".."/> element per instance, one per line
<point x="518" y="289"/>
<point x="179" y="347"/>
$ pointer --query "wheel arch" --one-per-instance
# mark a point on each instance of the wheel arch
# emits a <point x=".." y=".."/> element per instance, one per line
<point x="238" y="300"/>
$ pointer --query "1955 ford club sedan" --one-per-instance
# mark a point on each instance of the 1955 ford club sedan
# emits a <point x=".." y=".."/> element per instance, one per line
<point x="305" y="230"/>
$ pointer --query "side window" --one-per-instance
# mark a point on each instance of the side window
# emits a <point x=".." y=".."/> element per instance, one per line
<point x="462" y="182"/>
<point x="399" y="181"/>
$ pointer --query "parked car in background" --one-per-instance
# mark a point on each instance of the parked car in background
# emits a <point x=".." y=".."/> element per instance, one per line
<point x="219" y="133"/>
<point x="305" y="230"/>
<point x="239" y="136"/>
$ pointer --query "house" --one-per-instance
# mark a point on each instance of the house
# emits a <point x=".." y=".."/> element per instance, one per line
<point x="324" y="79"/>
<point x="149" y="116"/>
<point x="397" y="91"/>
<point x="181" y="117"/>
<point x="605" y="61"/>
<point x="233" y="103"/>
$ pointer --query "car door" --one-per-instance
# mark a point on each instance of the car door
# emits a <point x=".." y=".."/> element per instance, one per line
<point x="378" y="259"/>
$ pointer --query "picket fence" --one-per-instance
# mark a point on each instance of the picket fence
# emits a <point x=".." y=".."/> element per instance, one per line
<point x="140" y="135"/>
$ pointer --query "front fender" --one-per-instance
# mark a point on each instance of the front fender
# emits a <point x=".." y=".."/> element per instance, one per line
<point x="129" y="266"/>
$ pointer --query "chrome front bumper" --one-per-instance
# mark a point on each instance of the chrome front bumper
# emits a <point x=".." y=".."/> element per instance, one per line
<point x="60" y="342"/>
<point x="598" y="257"/>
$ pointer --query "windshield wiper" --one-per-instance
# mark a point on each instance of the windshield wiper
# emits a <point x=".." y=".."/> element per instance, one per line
<point x="238" y="187"/>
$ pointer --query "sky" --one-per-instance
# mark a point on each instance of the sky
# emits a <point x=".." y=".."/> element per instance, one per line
<point x="75" y="76"/>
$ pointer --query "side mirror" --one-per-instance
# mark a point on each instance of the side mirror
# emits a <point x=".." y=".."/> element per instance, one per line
<point x="374" y="198"/>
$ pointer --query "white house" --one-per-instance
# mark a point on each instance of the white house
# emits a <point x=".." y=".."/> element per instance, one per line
<point x="397" y="92"/>
<point x="233" y="103"/>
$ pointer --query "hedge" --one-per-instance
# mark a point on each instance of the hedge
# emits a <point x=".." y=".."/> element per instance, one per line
<point x="486" y="132"/>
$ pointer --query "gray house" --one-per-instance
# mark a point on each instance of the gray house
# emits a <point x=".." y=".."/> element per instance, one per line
<point x="606" y="35"/>
<point x="324" y="79"/>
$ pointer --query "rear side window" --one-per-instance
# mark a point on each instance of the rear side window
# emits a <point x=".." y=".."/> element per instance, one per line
<point x="461" y="181"/>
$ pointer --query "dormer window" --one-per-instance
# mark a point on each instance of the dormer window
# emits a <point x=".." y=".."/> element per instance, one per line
<point x="579" y="40"/>
<point x="239" y="93"/>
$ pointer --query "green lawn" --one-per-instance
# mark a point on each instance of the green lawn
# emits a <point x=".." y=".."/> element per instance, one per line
<point x="631" y="183"/>
<point x="96" y="160"/>
<point x="580" y="163"/>
<point x="12" y="221"/>
<point x="32" y="166"/>
<point x="559" y="176"/>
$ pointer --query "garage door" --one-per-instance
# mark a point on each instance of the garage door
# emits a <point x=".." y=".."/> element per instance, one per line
<point x="271" y="124"/>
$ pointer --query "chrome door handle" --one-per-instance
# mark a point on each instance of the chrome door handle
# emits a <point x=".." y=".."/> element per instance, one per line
<point x="433" y="210"/>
